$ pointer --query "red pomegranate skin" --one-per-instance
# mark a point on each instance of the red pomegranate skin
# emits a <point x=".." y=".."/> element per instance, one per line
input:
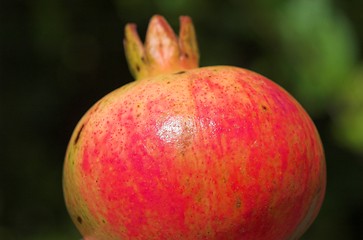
<point x="195" y="154"/>
<point x="206" y="153"/>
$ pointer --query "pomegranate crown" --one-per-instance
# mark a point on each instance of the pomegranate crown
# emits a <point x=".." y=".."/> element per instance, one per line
<point x="162" y="52"/>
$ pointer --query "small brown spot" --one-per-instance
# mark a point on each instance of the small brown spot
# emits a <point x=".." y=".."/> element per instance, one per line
<point x="264" y="107"/>
<point x="224" y="180"/>
<point x="238" y="203"/>
<point x="79" y="219"/>
<point x="78" y="134"/>
<point x="180" y="72"/>
<point x="142" y="59"/>
<point x="137" y="68"/>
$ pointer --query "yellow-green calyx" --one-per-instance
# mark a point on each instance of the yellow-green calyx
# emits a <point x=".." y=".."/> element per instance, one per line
<point x="162" y="52"/>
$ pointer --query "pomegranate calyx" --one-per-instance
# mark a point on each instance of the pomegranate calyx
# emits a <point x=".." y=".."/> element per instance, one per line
<point x="162" y="52"/>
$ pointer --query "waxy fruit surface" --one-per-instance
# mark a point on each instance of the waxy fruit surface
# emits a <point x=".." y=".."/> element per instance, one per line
<point x="195" y="153"/>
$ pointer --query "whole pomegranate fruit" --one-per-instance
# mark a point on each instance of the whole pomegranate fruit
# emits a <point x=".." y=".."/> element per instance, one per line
<point x="192" y="153"/>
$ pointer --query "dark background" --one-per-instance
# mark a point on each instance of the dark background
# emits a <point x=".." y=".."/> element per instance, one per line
<point x="58" y="57"/>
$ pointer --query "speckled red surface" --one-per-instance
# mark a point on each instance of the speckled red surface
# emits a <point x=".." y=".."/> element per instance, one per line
<point x="210" y="153"/>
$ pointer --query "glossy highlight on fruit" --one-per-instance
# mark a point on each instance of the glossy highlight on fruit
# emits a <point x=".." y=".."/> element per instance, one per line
<point x="185" y="152"/>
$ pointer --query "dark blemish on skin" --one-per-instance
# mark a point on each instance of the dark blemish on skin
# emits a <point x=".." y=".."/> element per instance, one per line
<point x="103" y="221"/>
<point x="238" y="203"/>
<point x="137" y="68"/>
<point x="186" y="55"/>
<point x="224" y="180"/>
<point x="264" y="107"/>
<point x="97" y="106"/>
<point x="178" y="73"/>
<point x="143" y="59"/>
<point x="79" y="219"/>
<point x="78" y="134"/>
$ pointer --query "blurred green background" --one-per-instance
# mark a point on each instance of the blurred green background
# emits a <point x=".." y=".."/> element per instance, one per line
<point x="60" y="56"/>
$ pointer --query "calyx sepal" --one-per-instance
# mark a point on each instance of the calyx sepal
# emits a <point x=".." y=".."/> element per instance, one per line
<point x="162" y="52"/>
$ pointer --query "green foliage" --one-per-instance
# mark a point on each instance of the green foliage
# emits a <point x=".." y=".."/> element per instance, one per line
<point x="348" y="114"/>
<point x="319" y="49"/>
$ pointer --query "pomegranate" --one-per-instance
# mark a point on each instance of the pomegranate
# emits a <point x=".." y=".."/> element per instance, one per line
<point x="192" y="153"/>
